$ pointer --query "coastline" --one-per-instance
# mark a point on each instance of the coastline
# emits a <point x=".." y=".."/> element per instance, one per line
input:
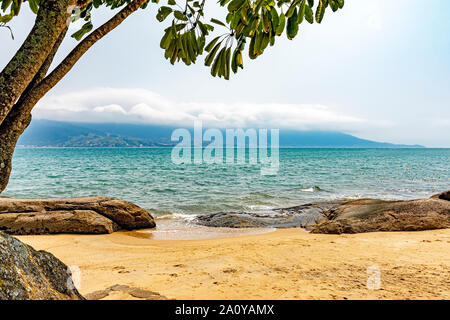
<point x="284" y="264"/>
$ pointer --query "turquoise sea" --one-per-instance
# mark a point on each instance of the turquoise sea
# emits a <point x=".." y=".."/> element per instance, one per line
<point x="147" y="177"/>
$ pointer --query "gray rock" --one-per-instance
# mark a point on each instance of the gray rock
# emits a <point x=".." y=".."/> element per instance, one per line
<point x="302" y="216"/>
<point x="29" y="274"/>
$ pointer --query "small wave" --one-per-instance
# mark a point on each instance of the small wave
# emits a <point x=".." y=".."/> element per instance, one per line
<point x="260" y="207"/>
<point x="178" y="216"/>
<point x="166" y="190"/>
<point x="256" y="195"/>
<point x="312" y="189"/>
<point x="160" y="213"/>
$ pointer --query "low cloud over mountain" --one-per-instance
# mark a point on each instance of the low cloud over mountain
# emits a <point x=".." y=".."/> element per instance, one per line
<point x="144" y="106"/>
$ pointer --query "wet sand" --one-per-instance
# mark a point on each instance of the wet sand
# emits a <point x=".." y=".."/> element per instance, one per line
<point x="284" y="264"/>
<point x="173" y="229"/>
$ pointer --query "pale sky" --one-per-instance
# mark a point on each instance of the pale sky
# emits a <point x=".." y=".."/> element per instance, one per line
<point x="378" y="69"/>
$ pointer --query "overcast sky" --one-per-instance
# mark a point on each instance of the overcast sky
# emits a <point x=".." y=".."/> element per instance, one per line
<point x="378" y="69"/>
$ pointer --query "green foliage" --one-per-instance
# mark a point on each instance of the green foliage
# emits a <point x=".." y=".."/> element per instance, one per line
<point x="253" y="22"/>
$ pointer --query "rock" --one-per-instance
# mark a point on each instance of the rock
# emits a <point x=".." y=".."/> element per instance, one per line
<point x="443" y="196"/>
<point x="90" y="215"/>
<point x="368" y="215"/>
<point x="132" y="291"/>
<point x="29" y="274"/>
<point x="344" y="216"/>
<point x="299" y="216"/>
<point x="51" y="222"/>
<point x="242" y="220"/>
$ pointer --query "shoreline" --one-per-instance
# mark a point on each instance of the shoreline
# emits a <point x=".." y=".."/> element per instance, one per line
<point x="284" y="264"/>
<point x="172" y="229"/>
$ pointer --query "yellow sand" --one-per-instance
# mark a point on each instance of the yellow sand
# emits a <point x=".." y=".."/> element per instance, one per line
<point x="285" y="264"/>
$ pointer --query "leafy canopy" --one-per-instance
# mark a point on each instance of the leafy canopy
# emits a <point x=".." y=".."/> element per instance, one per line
<point x="250" y="25"/>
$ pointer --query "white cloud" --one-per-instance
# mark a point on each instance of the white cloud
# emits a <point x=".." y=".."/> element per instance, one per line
<point x="113" y="108"/>
<point x="144" y="106"/>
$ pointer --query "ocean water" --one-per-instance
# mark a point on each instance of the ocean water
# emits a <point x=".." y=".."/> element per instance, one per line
<point x="148" y="177"/>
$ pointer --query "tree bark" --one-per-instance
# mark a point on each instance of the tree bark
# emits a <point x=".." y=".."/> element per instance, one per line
<point x="19" y="72"/>
<point x="10" y="132"/>
<point x="15" y="123"/>
<point x="18" y="116"/>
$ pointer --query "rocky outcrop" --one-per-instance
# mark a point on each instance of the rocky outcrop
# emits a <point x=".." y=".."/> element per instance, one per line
<point x="368" y="215"/>
<point x="29" y="274"/>
<point x="90" y="215"/>
<point x="345" y="216"/>
<point x="300" y="216"/>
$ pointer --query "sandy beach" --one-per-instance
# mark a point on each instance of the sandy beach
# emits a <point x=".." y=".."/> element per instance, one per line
<point x="283" y="264"/>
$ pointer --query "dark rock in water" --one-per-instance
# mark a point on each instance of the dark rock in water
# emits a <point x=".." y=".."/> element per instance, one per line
<point x="443" y="196"/>
<point x="90" y="215"/>
<point x="368" y="215"/>
<point x="29" y="274"/>
<point x="300" y="216"/>
<point x="246" y="220"/>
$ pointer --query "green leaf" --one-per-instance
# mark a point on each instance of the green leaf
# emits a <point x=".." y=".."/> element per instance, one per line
<point x="291" y="9"/>
<point x="210" y="56"/>
<point x="227" y="61"/>
<point x="166" y="39"/>
<point x="281" y="24"/>
<point x="211" y="44"/>
<point x="87" y="27"/>
<point x="320" y="11"/>
<point x="34" y="5"/>
<point x="274" y="18"/>
<point x="180" y="15"/>
<point x="218" y="22"/>
<point x="216" y="65"/>
<point x="292" y="25"/>
<point x="234" y="63"/>
<point x="163" y="12"/>
<point x="301" y="12"/>
<point x="235" y="4"/>
<point x="309" y="15"/>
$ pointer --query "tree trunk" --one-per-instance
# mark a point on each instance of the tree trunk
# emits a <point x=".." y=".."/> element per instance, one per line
<point x="16" y="122"/>
<point x="20" y="71"/>
<point x="10" y="132"/>
<point x="23" y="82"/>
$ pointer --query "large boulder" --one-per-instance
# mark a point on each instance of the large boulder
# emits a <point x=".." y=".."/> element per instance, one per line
<point x="90" y="215"/>
<point x="29" y="274"/>
<point x="369" y="215"/>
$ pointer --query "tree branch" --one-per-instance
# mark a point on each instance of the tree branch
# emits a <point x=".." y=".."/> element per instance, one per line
<point x="20" y="71"/>
<point x="32" y="97"/>
<point x="46" y="65"/>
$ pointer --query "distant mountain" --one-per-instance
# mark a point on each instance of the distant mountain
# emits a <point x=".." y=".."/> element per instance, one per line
<point x="47" y="133"/>
<point x="332" y="139"/>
